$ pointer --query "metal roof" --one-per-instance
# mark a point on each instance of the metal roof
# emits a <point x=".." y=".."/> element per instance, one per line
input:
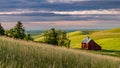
<point x="86" y="40"/>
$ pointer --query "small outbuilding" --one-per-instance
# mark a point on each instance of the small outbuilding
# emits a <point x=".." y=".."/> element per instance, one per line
<point x="90" y="44"/>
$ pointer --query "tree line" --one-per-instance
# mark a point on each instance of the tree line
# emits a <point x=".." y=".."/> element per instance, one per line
<point x="51" y="36"/>
<point x="18" y="32"/>
<point x="56" y="37"/>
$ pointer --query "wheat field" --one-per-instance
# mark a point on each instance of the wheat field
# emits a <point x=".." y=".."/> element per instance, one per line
<point x="26" y="54"/>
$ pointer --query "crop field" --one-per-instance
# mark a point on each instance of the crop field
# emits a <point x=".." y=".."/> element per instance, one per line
<point x="26" y="54"/>
<point x="109" y="40"/>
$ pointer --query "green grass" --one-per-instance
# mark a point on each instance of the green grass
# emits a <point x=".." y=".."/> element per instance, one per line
<point x="38" y="38"/>
<point x="109" y="40"/>
<point x="112" y="43"/>
<point x="27" y="54"/>
<point x="101" y="38"/>
<point x="76" y="33"/>
<point x="105" y="38"/>
<point x="114" y="30"/>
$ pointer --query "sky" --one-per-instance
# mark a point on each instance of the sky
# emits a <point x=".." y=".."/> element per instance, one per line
<point x="60" y="14"/>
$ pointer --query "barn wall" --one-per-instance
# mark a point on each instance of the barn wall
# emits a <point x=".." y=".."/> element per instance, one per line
<point x="84" y="46"/>
<point x="93" y="46"/>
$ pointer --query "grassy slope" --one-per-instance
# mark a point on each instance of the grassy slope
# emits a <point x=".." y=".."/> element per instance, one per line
<point x="108" y="39"/>
<point x="25" y="54"/>
<point x="38" y="38"/>
<point x="72" y="34"/>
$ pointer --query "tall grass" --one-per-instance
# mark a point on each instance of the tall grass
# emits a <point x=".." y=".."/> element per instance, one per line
<point x="26" y="54"/>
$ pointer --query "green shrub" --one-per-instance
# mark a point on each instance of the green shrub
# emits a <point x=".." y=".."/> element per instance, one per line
<point x="18" y="32"/>
<point x="1" y="30"/>
<point x="56" y="37"/>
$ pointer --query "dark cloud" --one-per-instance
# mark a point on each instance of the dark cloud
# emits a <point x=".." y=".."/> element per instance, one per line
<point x="49" y="17"/>
<point x="14" y="6"/>
<point x="39" y="4"/>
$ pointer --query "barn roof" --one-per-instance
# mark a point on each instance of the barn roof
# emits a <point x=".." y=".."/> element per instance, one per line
<point x="86" y="40"/>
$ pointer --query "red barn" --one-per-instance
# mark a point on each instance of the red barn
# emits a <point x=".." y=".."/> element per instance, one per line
<point x="90" y="44"/>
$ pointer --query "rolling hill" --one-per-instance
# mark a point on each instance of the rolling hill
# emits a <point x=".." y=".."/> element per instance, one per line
<point x="105" y="38"/>
<point x="26" y="54"/>
<point x="109" y="40"/>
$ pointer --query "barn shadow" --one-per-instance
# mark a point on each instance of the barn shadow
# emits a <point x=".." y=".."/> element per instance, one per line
<point x="103" y="50"/>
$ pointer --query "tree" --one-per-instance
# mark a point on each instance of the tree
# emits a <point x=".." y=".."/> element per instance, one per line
<point x="28" y="36"/>
<point x="9" y="33"/>
<point x="1" y="30"/>
<point x="18" y="32"/>
<point x="51" y="37"/>
<point x="56" y="37"/>
<point x="63" y="40"/>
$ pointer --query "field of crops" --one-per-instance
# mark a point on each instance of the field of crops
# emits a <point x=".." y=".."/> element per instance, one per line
<point x="109" y="40"/>
<point x="26" y="54"/>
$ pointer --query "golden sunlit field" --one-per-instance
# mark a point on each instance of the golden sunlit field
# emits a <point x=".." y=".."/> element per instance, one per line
<point x="26" y="54"/>
<point x="109" y="40"/>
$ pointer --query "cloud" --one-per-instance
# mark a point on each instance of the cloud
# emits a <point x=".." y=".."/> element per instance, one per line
<point x="64" y="1"/>
<point x="93" y="24"/>
<point x="60" y="10"/>
<point x="81" y="12"/>
<point x="22" y="11"/>
<point x="28" y="15"/>
<point x="73" y="1"/>
<point x="108" y="11"/>
<point x="9" y="5"/>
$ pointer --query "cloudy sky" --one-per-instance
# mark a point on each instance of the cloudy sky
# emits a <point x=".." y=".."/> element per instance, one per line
<point x="61" y="14"/>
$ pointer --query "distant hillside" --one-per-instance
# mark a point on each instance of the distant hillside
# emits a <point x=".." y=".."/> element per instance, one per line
<point x="109" y="40"/>
<point x="26" y="54"/>
<point x="38" y="38"/>
<point x="112" y="35"/>
<point x="105" y="38"/>
<point x="76" y="33"/>
<point x="115" y="30"/>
